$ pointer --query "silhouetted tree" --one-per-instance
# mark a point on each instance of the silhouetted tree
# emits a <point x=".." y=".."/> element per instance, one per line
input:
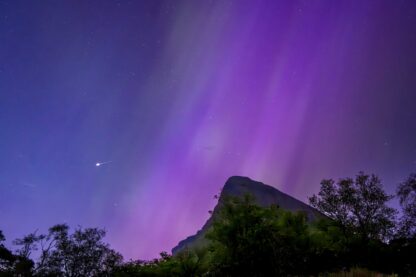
<point x="406" y="192"/>
<point x="6" y="258"/>
<point x="358" y="205"/>
<point x="359" y="208"/>
<point x="62" y="254"/>
<point x="11" y="264"/>
<point x="401" y="250"/>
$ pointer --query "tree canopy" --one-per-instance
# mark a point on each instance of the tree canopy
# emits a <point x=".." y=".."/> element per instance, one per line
<point x="359" y="206"/>
<point x="82" y="253"/>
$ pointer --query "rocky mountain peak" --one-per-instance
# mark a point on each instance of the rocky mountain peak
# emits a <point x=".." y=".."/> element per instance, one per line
<point x="264" y="195"/>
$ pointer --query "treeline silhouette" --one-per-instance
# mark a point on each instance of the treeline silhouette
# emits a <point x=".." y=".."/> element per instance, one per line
<point x="357" y="230"/>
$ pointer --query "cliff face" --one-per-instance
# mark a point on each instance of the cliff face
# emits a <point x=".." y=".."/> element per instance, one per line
<point x="264" y="196"/>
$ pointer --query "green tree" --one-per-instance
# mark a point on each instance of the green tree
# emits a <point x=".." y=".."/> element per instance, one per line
<point x="249" y="240"/>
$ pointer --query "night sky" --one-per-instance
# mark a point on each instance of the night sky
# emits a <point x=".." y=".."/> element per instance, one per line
<point x="180" y="95"/>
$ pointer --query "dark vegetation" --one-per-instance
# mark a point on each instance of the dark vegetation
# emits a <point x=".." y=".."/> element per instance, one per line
<point x="360" y="231"/>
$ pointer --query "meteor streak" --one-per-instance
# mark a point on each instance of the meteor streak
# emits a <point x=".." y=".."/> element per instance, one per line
<point x="102" y="163"/>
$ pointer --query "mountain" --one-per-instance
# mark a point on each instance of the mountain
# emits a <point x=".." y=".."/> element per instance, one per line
<point x="264" y="196"/>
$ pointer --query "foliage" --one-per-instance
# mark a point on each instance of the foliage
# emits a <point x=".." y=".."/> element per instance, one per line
<point x="360" y="272"/>
<point x="359" y="208"/>
<point x="399" y="257"/>
<point x="406" y="192"/>
<point x="81" y="253"/>
<point x="6" y="257"/>
<point x="249" y="240"/>
<point x="358" y="205"/>
<point x="11" y="264"/>
<point x="185" y="264"/>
